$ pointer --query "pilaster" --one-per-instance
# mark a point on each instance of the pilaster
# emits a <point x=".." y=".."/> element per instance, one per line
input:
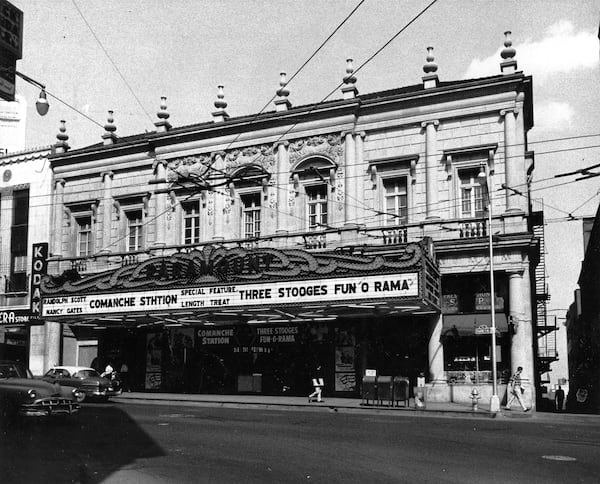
<point x="431" y="169"/>
<point x="59" y="192"/>
<point x="354" y="187"/>
<point x="351" y="197"/>
<point x="160" y="205"/>
<point x="511" y="160"/>
<point x="107" y="205"/>
<point x="283" y="174"/>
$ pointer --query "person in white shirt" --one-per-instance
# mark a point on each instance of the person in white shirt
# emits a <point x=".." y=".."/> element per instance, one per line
<point x="108" y="371"/>
<point x="516" y="390"/>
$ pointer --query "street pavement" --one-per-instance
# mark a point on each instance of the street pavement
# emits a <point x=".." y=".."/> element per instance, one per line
<point x="166" y="438"/>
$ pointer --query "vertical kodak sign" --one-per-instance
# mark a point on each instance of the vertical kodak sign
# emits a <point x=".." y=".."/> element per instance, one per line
<point x="39" y="266"/>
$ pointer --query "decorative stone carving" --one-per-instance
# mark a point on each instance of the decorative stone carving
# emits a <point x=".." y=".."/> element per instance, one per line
<point x="197" y="166"/>
<point x="291" y="195"/>
<point x="210" y="206"/>
<point x="339" y="187"/>
<point x="272" y="191"/>
<point x="227" y="205"/>
<point x="330" y="145"/>
<point x="261" y="155"/>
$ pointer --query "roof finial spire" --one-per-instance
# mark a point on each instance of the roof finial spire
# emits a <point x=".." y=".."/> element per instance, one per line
<point x="282" y="103"/>
<point x="62" y="137"/>
<point x="220" y="114"/>
<point x="509" y="64"/>
<point x="430" y="79"/>
<point x="109" y="135"/>
<point x="349" y="90"/>
<point x="163" y="124"/>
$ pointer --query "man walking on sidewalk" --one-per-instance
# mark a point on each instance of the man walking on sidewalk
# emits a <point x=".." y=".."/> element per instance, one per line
<point x="515" y="390"/>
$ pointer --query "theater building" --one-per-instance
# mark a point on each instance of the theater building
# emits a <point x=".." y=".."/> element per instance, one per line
<point x="237" y="255"/>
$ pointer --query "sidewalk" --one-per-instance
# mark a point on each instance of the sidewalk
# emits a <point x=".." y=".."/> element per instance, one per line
<point x="347" y="405"/>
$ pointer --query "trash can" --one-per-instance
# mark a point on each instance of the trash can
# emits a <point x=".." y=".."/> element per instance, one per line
<point x="384" y="390"/>
<point x="369" y="389"/>
<point x="401" y="390"/>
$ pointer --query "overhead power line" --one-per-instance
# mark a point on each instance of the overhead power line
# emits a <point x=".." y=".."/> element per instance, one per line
<point x="116" y="68"/>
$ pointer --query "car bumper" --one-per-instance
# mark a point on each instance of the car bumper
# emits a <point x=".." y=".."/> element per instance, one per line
<point x="102" y="393"/>
<point x="49" y="408"/>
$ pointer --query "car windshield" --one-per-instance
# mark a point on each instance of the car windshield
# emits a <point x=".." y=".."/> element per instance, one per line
<point x="86" y="374"/>
<point x="14" y="370"/>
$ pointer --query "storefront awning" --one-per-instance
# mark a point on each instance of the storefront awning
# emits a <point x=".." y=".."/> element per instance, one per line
<point x="466" y="324"/>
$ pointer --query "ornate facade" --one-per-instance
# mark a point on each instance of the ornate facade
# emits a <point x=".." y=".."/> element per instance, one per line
<point x="187" y="250"/>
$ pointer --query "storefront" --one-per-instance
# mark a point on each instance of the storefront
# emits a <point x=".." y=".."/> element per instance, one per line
<point x="14" y="334"/>
<point x="235" y="320"/>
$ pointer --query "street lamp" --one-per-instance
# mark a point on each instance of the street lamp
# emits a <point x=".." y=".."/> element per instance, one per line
<point x="42" y="103"/>
<point x="494" y="400"/>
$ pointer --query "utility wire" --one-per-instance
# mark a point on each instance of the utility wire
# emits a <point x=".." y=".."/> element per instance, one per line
<point x="74" y="109"/>
<point x="377" y="52"/>
<point x="112" y="62"/>
<point x="299" y="69"/>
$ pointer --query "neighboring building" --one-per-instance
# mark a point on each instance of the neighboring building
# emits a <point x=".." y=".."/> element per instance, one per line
<point x="13" y="115"/>
<point x="238" y="254"/>
<point x="583" y="327"/>
<point x="25" y="209"/>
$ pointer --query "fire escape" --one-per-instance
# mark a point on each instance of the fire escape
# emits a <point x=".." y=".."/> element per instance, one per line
<point x="545" y="324"/>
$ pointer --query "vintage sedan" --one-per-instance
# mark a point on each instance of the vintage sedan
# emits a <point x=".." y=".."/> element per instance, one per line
<point x="85" y="379"/>
<point x="22" y="394"/>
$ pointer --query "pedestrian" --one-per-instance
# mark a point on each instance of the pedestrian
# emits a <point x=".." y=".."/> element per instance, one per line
<point x="559" y="398"/>
<point x="124" y="377"/>
<point x="318" y="384"/>
<point x="108" y="371"/>
<point x="515" y="390"/>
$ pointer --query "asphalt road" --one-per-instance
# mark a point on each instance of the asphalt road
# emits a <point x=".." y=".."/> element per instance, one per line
<point x="128" y="443"/>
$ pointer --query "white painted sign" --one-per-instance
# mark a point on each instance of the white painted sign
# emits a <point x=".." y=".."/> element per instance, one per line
<point x="384" y="286"/>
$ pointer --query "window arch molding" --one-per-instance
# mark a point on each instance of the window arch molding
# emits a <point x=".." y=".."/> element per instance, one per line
<point x="313" y="169"/>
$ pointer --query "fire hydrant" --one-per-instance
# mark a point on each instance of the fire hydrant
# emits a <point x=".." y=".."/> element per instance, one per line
<point x="474" y="399"/>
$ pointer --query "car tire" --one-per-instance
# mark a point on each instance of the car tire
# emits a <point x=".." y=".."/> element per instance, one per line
<point x="81" y="398"/>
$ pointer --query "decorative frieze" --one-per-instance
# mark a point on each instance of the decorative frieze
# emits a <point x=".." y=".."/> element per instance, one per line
<point x="196" y="166"/>
<point x="261" y="155"/>
<point x="330" y="145"/>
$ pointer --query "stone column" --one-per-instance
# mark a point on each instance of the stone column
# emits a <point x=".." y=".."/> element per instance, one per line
<point x="436" y="351"/>
<point x="350" y="199"/>
<point x="107" y="206"/>
<point x="522" y="348"/>
<point x="59" y="193"/>
<point x="511" y="160"/>
<point x="283" y="175"/>
<point x="431" y="169"/>
<point x="160" y="215"/>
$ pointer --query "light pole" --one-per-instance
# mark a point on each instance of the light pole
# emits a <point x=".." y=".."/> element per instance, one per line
<point x="494" y="400"/>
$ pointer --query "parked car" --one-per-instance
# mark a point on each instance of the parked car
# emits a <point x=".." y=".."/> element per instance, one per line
<point x="22" y="394"/>
<point x="85" y="379"/>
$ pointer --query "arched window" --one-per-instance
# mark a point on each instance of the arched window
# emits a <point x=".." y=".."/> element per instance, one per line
<point x="249" y="183"/>
<point x="314" y="179"/>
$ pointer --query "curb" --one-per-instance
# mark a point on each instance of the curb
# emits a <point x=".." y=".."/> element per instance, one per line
<point x="313" y="407"/>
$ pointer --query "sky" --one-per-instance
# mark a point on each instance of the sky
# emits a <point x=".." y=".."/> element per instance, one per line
<point x="124" y="55"/>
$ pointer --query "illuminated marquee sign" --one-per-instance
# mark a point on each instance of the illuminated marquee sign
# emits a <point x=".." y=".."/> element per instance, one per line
<point x="384" y="286"/>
